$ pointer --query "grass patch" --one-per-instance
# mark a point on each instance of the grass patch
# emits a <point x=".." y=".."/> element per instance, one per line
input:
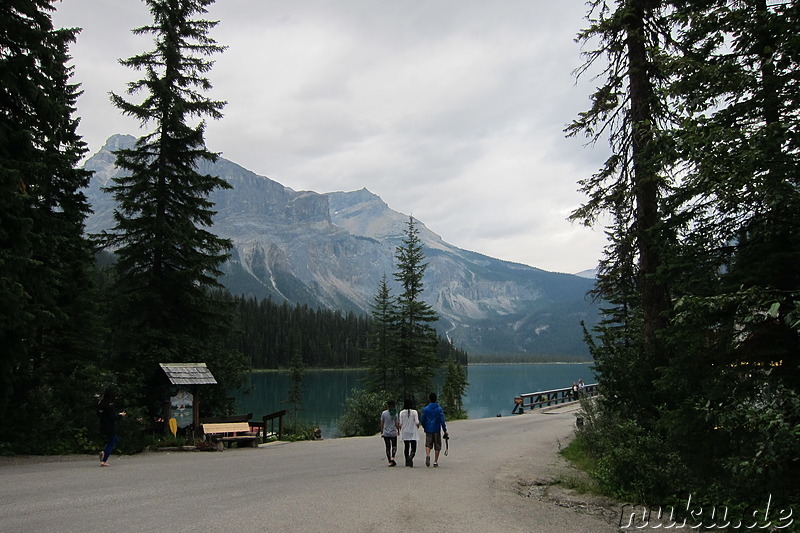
<point x="575" y="452"/>
<point x="578" y="476"/>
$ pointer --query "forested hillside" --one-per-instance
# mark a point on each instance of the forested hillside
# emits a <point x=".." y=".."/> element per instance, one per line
<point x="268" y="334"/>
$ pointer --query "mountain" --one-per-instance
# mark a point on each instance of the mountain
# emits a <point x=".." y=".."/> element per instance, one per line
<point x="331" y="250"/>
<point x="588" y="274"/>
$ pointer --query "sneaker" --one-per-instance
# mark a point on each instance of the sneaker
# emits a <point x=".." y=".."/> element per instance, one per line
<point x="428" y="461"/>
<point x="435" y="465"/>
<point x="392" y="463"/>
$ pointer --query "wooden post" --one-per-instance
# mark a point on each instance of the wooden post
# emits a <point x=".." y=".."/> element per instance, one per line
<point x="195" y="411"/>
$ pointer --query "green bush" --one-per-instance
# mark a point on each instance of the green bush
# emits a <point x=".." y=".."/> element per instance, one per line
<point x="298" y="431"/>
<point x="362" y="413"/>
<point x="627" y="460"/>
<point x="765" y="432"/>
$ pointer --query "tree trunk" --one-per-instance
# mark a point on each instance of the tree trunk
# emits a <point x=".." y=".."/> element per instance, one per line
<point x="645" y="177"/>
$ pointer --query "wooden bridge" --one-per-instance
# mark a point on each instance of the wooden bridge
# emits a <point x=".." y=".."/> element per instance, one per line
<point x="547" y="398"/>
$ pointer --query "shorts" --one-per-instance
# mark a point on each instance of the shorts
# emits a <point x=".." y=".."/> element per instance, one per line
<point x="433" y="440"/>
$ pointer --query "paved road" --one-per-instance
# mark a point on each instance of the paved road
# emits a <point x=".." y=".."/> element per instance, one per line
<point x="330" y="485"/>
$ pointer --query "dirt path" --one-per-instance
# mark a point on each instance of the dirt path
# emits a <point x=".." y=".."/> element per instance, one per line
<point x="497" y="477"/>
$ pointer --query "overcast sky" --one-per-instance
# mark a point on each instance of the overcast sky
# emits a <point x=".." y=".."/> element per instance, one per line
<point x="450" y="110"/>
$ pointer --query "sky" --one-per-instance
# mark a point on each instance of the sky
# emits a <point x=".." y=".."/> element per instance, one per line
<point x="452" y="111"/>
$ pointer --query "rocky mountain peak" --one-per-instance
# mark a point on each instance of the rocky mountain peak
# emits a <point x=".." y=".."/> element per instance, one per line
<point x="330" y="250"/>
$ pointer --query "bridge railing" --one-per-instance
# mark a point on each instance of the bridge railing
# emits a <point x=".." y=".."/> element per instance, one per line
<point x="547" y="398"/>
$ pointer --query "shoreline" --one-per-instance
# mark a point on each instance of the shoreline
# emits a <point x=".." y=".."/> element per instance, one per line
<point x="360" y="368"/>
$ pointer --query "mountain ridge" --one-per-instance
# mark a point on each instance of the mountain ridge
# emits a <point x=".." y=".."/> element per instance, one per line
<point x="331" y="249"/>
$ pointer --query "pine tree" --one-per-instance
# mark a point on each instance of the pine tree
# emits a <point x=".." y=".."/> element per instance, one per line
<point x="47" y="329"/>
<point x="743" y="157"/>
<point x="380" y="359"/>
<point x="737" y="86"/>
<point x="416" y="340"/>
<point x="630" y="110"/>
<point x="630" y="188"/>
<point x="698" y="383"/>
<point x="168" y="260"/>
<point x="453" y="389"/>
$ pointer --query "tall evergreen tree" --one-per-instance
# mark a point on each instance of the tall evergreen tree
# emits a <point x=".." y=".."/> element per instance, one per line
<point x="738" y="87"/>
<point x="380" y="359"/>
<point x="630" y="187"/>
<point x="416" y="340"/>
<point x="631" y="108"/>
<point x="743" y="156"/>
<point x="48" y="362"/>
<point x="167" y="257"/>
<point x="715" y="397"/>
<point x="453" y="389"/>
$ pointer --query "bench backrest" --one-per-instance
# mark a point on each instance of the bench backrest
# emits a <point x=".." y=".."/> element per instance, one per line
<point x="226" y="427"/>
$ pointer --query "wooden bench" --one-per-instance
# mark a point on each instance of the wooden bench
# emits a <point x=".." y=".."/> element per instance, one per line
<point x="238" y="432"/>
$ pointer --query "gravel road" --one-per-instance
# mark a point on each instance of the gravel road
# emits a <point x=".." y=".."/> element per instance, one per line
<point x="483" y="485"/>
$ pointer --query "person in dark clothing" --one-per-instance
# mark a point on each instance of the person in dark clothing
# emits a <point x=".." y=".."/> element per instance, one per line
<point x="108" y="413"/>
<point x="389" y="426"/>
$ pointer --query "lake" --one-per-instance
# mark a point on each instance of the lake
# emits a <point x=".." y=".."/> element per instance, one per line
<point x="491" y="390"/>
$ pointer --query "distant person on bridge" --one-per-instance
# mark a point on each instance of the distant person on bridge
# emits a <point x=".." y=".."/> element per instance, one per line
<point x="389" y="428"/>
<point x="409" y="422"/>
<point x="434" y="423"/>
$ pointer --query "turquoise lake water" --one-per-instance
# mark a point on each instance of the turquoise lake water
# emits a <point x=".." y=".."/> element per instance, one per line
<point x="491" y="390"/>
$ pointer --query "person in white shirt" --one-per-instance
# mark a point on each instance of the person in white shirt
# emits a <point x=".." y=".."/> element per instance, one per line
<point x="409" y="422"/>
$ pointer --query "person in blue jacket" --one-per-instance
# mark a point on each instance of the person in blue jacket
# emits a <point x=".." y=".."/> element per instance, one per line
<point x="432" y="421"/>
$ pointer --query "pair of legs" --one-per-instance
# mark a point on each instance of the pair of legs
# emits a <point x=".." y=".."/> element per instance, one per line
<point x="433" y="441"/>
<point x="391" y="449"/>
<point x="111" y="443"/>
<point x="410" y="451"/>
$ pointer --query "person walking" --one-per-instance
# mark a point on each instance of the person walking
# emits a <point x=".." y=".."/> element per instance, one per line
<point x="108" y="413"/>
<point x="409" y="422"/>
<point x="389" y="428"/>
<point x="433" y="422"/>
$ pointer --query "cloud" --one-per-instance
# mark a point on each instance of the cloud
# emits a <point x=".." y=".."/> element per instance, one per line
<point x="451" y="110"/>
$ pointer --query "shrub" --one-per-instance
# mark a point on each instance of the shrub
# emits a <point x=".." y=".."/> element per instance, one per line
<point x="362" y="413"/>
<point x="298" y="430"/>
<point x="627" y="460"/>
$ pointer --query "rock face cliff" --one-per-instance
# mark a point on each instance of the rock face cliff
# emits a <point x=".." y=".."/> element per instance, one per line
<point x="331" y="250"/>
